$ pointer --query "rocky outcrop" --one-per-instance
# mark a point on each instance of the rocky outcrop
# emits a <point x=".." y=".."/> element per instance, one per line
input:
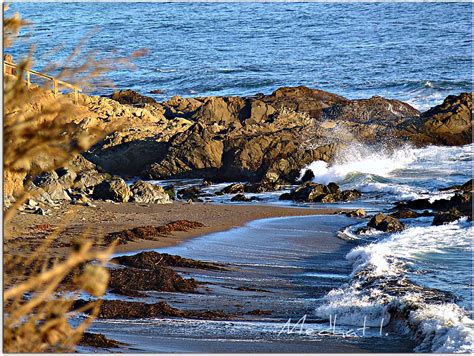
<point x="315" y="192"/>
<point x="385" y="223"/>
<point x="460" y="201"/>
<point x="449" y="123"/>
<point x="264" y="138"/>
<point x="144" y="192"/>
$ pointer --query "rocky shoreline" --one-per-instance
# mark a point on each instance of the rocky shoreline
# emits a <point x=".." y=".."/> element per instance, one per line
<point x="263" y="141"/>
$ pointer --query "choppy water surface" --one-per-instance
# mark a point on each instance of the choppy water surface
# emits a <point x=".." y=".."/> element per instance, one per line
<point x="418" y="52"/>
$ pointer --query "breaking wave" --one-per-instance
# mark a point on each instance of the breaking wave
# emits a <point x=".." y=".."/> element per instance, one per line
<point x="382" y="287"/>
<point x="401" y="174"/>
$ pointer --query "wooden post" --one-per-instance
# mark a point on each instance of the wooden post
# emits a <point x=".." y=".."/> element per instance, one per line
<point x="76" y="96"/>
<point x="28" y="79"/>
<point x="55" y="87"/>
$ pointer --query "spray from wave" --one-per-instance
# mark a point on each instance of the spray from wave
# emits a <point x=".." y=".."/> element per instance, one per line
<point x="361" y="159"/>
<point x="402" y="173"/>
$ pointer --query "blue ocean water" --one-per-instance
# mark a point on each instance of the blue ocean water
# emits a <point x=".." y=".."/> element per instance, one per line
<point x="417" y="52"/>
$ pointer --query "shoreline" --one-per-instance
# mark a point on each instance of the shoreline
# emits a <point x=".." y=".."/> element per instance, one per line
<point x="109" y="217"/>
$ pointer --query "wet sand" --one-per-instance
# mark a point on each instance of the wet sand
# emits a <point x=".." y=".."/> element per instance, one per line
<point x="110" y="217"/>
<point x="282" y="266"/>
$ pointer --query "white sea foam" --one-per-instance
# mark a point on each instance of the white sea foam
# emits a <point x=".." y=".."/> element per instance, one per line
<point x="361" y="159"/>
<point x="438" y="327"/>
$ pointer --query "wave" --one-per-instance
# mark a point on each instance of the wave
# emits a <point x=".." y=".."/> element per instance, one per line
<point x="381" y="290"/>
<point x="403" y="173"/>
<point x="361" y="159"/>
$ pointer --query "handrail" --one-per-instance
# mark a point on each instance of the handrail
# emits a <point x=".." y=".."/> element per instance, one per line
<point x="56" y="82"/>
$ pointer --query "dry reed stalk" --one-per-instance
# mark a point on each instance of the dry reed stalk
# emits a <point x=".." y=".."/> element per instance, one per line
<point x="39" y="290"/>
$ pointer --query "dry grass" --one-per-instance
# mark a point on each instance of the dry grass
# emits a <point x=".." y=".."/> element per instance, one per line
<point x="37" y="138"/>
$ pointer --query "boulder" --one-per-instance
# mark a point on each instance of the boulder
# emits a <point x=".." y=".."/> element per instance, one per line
<point x="358" y="213"/>
<point x="114" y="189"/>
<point x="241" y="198"/>
<point x="446" y="217"/>
<point x="192" y="194"/>
<point x="88" y="179"/>
<point x="307" y="192"/>
<point x="368" y="110"/>
<point x="466" y="187"/>
<point x="302" y="99"/>
<point x="405" y="214"/>
<point x="169" y="189"/>
<point x="50" y="184"/>
<point x="195" y="153"/>
<point x="144" y="192"/>
<point x="131" y="97"/>
<point x="262" y="187"/>
<point x="307" y="176"/>
<point x="66" y="176"/>
<point x="233" y="189"/>
<point x="449" y="123"/>
<point x="386" y="223"/>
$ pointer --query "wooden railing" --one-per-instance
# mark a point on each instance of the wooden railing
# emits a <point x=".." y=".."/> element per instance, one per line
<point x="56" y="82"/>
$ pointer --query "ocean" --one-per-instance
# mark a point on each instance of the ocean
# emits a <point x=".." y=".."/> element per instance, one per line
<point x="435" y="262"/>
<point x="416" y="52"/>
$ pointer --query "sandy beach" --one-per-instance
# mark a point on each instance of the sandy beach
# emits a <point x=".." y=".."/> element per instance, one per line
<point x="109" y="217"/>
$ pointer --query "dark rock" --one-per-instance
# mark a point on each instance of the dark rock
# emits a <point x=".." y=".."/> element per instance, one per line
<point x="169" y="189"/>
<point x="460" y="201"/>
<point x="192" y="193"/>
<point x="307" y="192"/>
<point x="368" y="110"/>
<point x="386" y="223"/>
<point x="307" y="176"/>
<point x="157" y="91"/>
<point x="233" y="189"/>
<point x="131" y="97"/>
<point x="333" y="188"/>
<point x="451" y="122"/>
<point x="405" y="214"/>
<point x="240" y="197"/>
<point x="442" y="218"/>
<point x="359" y="213"/>
<point x="160" y="279"/>
<point x="261" y="187"/>
<point x="466" y="187"/>
<point x="196" y="152"/>
<point x="114" y="189"/>
<point x="259" y="312"/>
<point x="144" y="192"/>
<point x="151" y="260"/>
